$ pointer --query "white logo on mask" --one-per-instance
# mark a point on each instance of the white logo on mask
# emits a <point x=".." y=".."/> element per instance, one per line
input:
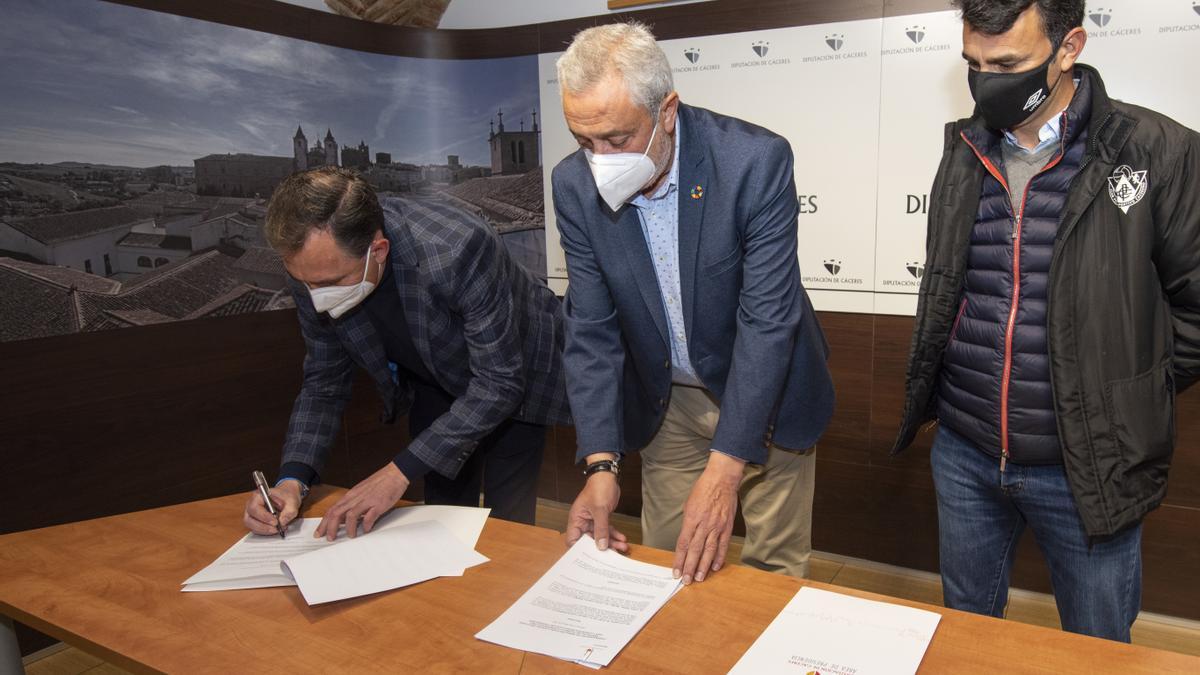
<point x="1034" y="101"/>
<point x="621" y="175"/>
<point x="337" y="300"/>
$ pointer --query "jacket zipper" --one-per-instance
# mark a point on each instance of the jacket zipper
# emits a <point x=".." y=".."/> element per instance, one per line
<point x="1095" y="143"/>
<point x="1010" y="328"/>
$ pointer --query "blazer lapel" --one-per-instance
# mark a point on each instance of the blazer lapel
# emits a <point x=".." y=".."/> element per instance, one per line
<point x="694" y="190"/>
<point x="406" y="268"/>
<point x="357" y="330"/>
<point x="637" y="252"/>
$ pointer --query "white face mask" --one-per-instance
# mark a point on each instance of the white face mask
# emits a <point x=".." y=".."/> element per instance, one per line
<point x="621" y="175"/>
<point x="337" y="300"/>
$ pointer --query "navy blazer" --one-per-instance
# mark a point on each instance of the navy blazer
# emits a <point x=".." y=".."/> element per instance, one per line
<point x="485" y="328"/>
<point x="752" y="335"/>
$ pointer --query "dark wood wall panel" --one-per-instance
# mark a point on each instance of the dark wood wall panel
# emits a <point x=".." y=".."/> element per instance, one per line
<point x="1184" y="487"/>
<point x="719" y="17"/>
<point x="101" y="423"/>
<point x="904" y="7"/>
<point x="847" y="438"/>
<point x="671" y="22"/>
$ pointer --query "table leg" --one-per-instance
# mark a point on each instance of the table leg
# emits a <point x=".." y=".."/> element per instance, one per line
<point x="10" y="652"/>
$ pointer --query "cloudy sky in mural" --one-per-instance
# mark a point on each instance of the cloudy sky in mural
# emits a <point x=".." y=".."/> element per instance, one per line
<point x="90" y="81"/>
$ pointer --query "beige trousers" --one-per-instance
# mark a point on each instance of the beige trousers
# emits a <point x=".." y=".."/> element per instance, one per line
<point x="776" y="498"/>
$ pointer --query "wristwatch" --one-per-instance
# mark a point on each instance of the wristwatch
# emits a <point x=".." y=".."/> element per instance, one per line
<point x="612" y="466"/>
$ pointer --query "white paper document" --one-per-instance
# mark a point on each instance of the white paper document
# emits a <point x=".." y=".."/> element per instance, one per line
<point x="383" y="560"/>
<point x="258" y="561"/>
<point x="837" y="634"/>
<point x="586" y="608"/>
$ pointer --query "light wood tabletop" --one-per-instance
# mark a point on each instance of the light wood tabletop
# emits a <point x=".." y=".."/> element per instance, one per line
<point x="112" y="588"/>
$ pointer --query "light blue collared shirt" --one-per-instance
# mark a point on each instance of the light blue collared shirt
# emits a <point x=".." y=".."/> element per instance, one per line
<point x="659" y="215"/>
<point x="1050" y="133"/>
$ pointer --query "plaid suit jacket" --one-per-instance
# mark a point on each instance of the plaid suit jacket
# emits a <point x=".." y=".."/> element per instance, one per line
<point x="488" y="331"/>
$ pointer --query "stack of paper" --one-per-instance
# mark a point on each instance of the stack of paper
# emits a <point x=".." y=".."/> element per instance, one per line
<point x="407" y="546"/>
<point x="586" y="608"/>
<point x="825" y="632"/>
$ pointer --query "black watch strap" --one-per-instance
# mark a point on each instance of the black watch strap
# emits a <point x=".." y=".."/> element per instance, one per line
<point x="605" y="465"/>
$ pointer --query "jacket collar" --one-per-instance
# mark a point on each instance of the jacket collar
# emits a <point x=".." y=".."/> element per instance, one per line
<point x="694" y="190"/>
<point x="405" y="262"/>
<point x="692" y="172"/>
<point x="402" y="244"/>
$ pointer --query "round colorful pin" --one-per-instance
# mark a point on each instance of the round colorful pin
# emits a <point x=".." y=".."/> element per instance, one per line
<point x="698" y="192"/>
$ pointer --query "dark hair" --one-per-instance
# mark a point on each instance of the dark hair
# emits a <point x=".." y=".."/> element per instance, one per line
<point x="993" y="17"/>
<point x="327" y="197"/>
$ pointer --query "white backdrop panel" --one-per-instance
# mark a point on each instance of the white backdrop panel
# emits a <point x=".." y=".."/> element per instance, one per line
<point x="864" y="104"/>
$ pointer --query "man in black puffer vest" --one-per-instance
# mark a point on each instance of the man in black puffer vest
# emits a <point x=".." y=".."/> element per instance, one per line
<point x="1059" y="315"/>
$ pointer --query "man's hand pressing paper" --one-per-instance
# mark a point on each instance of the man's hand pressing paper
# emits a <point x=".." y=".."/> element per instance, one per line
<point x="367" y="501"/>
<point x="708" y="519"/>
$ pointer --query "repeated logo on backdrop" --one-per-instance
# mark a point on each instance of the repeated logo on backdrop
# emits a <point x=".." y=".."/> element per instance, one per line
<point x="1183" y="28"/>
<point x="917" y="36"/>
<point x="1100" y="16"/>
<point x="834" y="277"/>
<point x="864" y="167"/>
<point x="836" y="43"/>
<point x="760" y="49"/>
<point x="692" y="55"/>
<point x="1110" y="23"/>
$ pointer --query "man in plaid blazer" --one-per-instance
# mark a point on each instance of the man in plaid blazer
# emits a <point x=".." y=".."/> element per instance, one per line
<point x="424" y="298"/>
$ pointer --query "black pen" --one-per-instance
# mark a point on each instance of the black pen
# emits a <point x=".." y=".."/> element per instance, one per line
<point x="261" y="483"/>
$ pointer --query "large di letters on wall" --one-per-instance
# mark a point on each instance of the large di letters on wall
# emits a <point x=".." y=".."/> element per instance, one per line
<point x="864" y="104"/>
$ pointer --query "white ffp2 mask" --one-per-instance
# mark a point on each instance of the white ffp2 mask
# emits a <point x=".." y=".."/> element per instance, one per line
<point x="337" y="300"/>
<point x="621" y="175"/>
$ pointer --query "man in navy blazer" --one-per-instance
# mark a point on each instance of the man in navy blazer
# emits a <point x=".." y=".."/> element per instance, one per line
<point x="425" y="298"/>
<point x="689" y="334"/>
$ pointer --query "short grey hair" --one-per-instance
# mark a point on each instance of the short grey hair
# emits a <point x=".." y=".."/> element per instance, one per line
<point x="629" y="49"/>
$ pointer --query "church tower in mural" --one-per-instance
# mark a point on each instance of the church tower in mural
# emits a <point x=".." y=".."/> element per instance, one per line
<point x="513" y="152"/>
<point x="299" y="151"/>
<point x="331" y="149"/>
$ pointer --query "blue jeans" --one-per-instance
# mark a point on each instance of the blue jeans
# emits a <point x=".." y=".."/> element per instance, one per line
<point x="981" y="515"/>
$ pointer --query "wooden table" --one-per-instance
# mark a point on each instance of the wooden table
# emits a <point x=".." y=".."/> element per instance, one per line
<point x="111" y="588"/>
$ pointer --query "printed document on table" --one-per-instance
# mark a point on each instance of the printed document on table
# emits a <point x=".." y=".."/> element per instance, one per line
<point x="254" y="561"/>
<point x="837" y="634"/>
<point x="586" y="608"/>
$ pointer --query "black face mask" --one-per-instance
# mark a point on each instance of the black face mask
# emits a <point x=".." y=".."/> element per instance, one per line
<point x="1005" y="100"/>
